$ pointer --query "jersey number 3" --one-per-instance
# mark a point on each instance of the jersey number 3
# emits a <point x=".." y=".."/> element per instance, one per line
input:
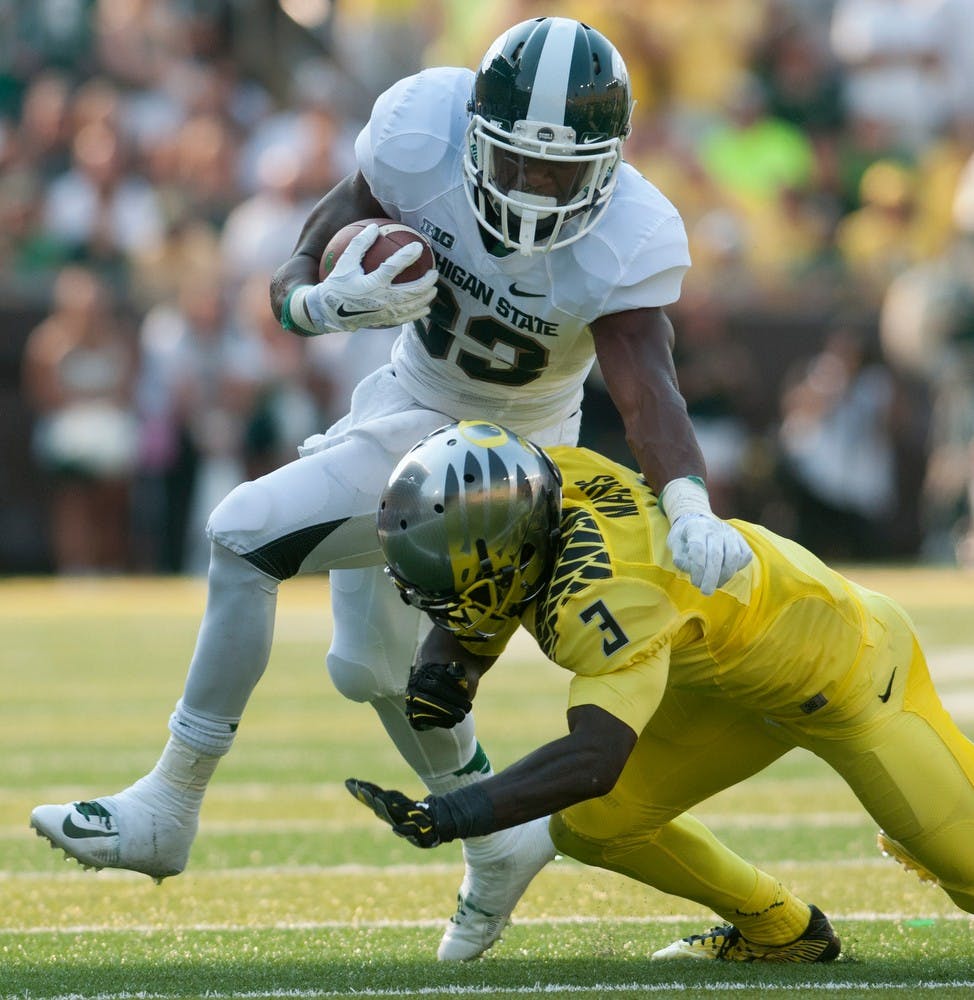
<point x="615" y="638"/>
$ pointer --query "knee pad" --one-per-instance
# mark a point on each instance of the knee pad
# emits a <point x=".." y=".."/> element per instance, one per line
<point x="375" y="635"/>
<point x="353" y="679"/>
<point x="240" y="523"/>
<point x="243" y="512"/>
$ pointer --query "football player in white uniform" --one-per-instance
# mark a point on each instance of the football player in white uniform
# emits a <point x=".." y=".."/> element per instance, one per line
<point x="551" y="252"/>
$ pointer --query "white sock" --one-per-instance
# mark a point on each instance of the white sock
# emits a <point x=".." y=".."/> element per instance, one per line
<point x="476" y="849"/>
<point x="206" y="734"/>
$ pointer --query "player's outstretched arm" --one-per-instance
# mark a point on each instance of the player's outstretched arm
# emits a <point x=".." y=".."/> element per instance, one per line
<point x="582" y="765"/>
<point x="634" y="350"/>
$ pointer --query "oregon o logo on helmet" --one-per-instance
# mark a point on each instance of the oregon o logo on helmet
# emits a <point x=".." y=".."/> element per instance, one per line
<point x="483" y="433"/>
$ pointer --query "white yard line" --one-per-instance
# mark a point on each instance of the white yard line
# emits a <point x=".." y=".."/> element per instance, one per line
<point x="568" y="868"/>
<point x="601" y="920"/>
<point x="600" y="989"/>
<point x="746" y="821"/>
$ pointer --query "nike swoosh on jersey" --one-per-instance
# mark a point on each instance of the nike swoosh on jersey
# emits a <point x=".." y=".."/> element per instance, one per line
<point x="82" y="833"/>
<point x="514" y="290"/>
<point x="342" y="311"/>
<point x="884" y="697"/>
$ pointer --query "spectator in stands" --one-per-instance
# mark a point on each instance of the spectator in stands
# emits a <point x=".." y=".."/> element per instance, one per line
<point x="99" y="210"/>
<point x="78" y="372"/>
<point x="894" y="56"/>
<point x="200" y="377"/>
<point x="295" y="395"/>
<point x="202" y="185"/>
<point x="43" y="133"/>
<point x="719" y="381"/>
<point x="263" y="229"/>
<point x="927" y="329"/>
<point x="837" y="456"/>
<point x="879" y="240"/>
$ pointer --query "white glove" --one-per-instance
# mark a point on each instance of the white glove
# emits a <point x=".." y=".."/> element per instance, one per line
<point x="710" y="550"/>
<point x="349" y="299"/>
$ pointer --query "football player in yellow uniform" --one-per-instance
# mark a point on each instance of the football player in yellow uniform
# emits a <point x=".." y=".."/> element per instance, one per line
<point x="673" y="695"/>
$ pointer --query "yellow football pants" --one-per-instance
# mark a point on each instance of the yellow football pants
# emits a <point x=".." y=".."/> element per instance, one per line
<point x="888" y="736"/>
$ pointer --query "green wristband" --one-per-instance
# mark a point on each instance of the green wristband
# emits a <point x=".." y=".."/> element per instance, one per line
<point x="287" y="319"/>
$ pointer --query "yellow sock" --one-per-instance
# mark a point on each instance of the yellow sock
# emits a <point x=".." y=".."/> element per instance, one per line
<point x="772" y="913"/>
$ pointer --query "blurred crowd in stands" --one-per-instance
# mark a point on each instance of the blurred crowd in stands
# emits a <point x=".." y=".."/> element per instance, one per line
<point x="157" y="159"/>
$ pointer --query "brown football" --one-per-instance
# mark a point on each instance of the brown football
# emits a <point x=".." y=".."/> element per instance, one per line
<point x="392" y="236"/>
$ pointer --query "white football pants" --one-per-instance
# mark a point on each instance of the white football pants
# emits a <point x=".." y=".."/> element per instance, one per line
<point x="313" y="515"/>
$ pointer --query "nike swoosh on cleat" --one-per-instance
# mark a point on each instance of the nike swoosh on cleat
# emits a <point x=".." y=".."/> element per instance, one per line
<point x="884" y="697"/>
<point x="342" y="311"/>
<point x="514" y="290"/>
<point x="82" y="833"/>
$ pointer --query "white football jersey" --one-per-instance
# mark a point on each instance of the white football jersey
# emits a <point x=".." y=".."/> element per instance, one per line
<point x="508" y="335"/>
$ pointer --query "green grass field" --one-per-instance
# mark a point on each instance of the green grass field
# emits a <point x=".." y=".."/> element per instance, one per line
<point x="294" y="890"/>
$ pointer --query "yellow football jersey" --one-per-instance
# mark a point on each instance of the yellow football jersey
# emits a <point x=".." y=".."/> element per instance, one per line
<point x="783" y="636"/>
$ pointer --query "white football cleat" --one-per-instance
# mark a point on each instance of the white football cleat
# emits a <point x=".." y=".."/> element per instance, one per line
<point x="129" y="830"/>
<point x="491" y="889"/>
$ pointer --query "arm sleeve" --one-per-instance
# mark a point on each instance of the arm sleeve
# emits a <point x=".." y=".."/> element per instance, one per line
<point x="616" y="639"/>
<point x="631" y="695"/>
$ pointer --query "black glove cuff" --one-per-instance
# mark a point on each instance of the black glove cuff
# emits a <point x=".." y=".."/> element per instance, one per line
<point x="467" y="812"/>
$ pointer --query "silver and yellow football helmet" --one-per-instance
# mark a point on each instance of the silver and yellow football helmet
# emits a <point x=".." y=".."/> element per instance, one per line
<point x="468" y="522"/>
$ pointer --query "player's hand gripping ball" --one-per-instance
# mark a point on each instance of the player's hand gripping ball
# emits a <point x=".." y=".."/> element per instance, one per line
<point x="372" y="279"/>
<point x="392" y="237"/>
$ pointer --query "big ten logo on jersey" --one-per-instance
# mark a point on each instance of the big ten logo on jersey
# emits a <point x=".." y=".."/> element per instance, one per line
<point x="436" y="234"/>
